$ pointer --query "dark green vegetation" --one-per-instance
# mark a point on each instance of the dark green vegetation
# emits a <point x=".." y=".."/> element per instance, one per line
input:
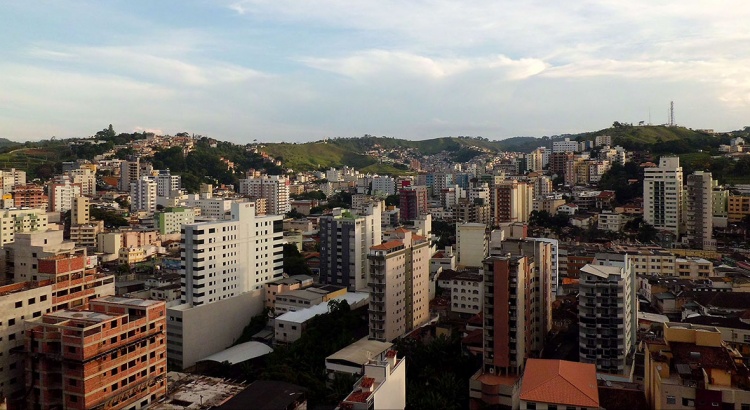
<point x="207" y="164"/>
<point x="437" y="373"/>
<point x="257" y="323"/>
<point x="303" y="362"/>
<point x="626" y="180"/>
<point x="294" y="263"/>
<point x="112" y="219"/>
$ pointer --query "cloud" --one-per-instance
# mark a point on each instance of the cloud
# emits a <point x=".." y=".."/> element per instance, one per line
<point x="373" y="63"/>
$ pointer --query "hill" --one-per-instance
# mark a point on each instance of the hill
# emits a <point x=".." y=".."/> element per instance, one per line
<point x="351" y="151"/>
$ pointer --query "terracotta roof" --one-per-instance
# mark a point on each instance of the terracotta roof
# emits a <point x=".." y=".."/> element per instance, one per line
<point x="560" y="382"/>
<point x="385" y="246"/>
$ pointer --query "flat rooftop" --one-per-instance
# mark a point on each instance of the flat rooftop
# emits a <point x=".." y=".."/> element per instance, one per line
<point x="128" y="301"/>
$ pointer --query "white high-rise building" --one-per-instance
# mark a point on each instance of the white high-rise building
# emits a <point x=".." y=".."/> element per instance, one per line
<point x="62" y="194"/>
<point x="383" y="185"/>
<point x="699" y="218"/>
<point x="607" y="314"/>
<point x="224" y="259"/>
<point x="273" y="188"/>
<point x="663" y="195"/>
<point x="10" y="178"/>
<point x="143" y="195"/>
<point x="565" y="146"/>
<point x="166" y="183"/>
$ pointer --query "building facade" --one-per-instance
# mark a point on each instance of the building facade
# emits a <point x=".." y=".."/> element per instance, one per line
<point x="400" y="285"/>
<point x="112" y="355"/>
<point x="699" y="215"/>
<point x="663" y="195"/>
<point x="223" y="259"/>
<point x="345" y="240"/>
<point x="607" y="317"/>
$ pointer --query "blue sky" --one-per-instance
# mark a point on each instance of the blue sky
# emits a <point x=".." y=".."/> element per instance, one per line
<point x="288" y="70"/>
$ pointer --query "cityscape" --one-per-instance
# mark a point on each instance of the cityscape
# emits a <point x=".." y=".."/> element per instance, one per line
<point x="602" y="270"/>
<point x="374" y="205"/>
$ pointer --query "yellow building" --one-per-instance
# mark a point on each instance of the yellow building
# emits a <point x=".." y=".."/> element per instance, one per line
<point x="692" y="368"/>
<point x="738" y="206"/>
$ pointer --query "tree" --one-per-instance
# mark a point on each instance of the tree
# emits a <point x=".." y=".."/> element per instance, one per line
<point x="294" y="262"/>
<point x="646" y="233"/>
<point x="294" y="214"/>
<point x="392" y="200"/>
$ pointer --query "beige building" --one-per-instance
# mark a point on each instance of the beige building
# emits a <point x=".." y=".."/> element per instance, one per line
<point x="285" y="285"/>
<point x="472" y="242"/>
<point x="692" y="368"/>
<point x="399" y="284"/>
<point x="693" y="268"/>
<point x="84" y="231"/>
<point x="738" y="206"/>
<point x="20" y="220"/>
<point x="131" y="255"/>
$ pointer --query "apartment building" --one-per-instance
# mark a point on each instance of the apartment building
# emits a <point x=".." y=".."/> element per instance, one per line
<point x="699" y="215"/>
<point x="381" y="387"/>
<point x="466" y="292"/>
<point x="223" y="259"/>
<point x="512" y="201"/>
<point x="472" y="244"/>
<point x="86" y="178"/>
<point x="273" y="188"/>
<point x="30" y="196"/>
<point x="166" y="183"/>
<point x="543" y="255"/>
<point x="607" y="316"/>
<point x="508" y="336"/>
<point x="690" y="367"/>
<point x="67" y="285"/>
<point x="565" y="145"/>
<point x="20" y="220"/>
<point x="345" y="240"/>
<point x="130" y="171"/>
<point x="143" y="194"/>
<point x="112" y="355"/>
<point x="171" y="220"/>
<point x="413" y="202"/>
<point x="399" y="284"/>
<point x="62" y="195"/>
<point x="663" y="197"/>
<point x="84" y="231"/>
<point x="738" y="207"/>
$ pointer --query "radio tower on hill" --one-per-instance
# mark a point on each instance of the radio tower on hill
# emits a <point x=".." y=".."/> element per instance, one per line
<point x="671" y="114"/>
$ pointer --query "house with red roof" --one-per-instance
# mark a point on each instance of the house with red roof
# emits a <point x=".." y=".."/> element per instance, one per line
<point x="560" y="383"/>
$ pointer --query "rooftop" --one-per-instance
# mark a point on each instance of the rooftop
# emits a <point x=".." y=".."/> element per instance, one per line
<point x="266" y="395"/>
<point x="302" y="316"/>
<point x="359" y="352"/>
<point x="602" y="271"/>
<point x="560" y="382"/>
<point x="240" y="353"/>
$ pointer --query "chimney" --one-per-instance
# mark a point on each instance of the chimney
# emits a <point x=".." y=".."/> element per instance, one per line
<point x="390" y="358"/>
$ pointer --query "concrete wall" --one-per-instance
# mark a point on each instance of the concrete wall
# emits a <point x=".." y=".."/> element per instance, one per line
<point x="200" y="331"/>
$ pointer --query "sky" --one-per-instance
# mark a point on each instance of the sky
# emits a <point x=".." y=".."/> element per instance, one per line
<point x="303" y="70"/>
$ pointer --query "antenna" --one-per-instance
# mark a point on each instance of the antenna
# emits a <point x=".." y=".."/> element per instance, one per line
<point x="671" y="113"/>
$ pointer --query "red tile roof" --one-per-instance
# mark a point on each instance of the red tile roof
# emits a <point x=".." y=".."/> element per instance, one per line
<point x="560" y="382"/>
<point x="385" y="246"/>
<point x="358" y="396"/>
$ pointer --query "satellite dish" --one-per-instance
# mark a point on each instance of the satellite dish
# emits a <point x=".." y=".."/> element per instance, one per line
<point x="658" y="368"/>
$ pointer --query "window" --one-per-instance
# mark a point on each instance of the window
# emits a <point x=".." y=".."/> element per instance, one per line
<point x="671" y="400"/>
<point x="19" y="304"/>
